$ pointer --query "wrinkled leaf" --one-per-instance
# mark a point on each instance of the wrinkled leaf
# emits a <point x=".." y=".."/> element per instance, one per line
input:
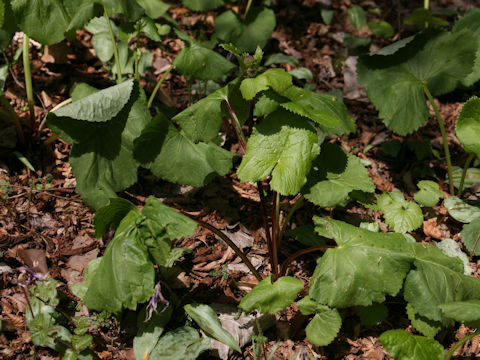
<point x="324" y="327"/>
<point x="208" y="321"/>
<point x="423" y="325"/>
<point x="283" y="145"/>
<point x="471" y="237"/>
<point x="401" y="215"/>
<point x="270" y="298"/>
<point x="402" y="345"/>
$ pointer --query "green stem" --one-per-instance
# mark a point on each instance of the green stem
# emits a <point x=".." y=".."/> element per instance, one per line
<point x="444" y="137"/>
<point x="426" y="4"/>
<point x="28" y="81"/>
<point x="11" y="115"/>
<point x="460" y="343"/>
<point x="249" y="4"/>
<point x="295" y="206"/>
<point x="114" y="44"/>
<point x="157" y="87"/>
<point x="266" y="225"/>
<point x="229" y="242"/>
<point x="137" y="57"/>
<point x="464" y="174"/>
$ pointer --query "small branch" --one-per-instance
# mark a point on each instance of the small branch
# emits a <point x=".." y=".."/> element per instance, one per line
<point x="157" y="87"/>
<point x="114" y="44"/>
<point x="28" y="81"/>
<point x="441" y="124"/>
<point x="238" y="128"/>
<point x="460" y="343"/>
<point x="295" y="206"/>
<point x="464" y="174"/>
<point x="283" y="270"/>
<point x="229" y="242"/>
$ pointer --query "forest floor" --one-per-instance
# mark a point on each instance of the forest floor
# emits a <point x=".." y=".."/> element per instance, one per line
<point x="44" y="222"/>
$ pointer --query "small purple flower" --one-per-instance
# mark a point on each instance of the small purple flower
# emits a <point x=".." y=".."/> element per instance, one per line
<point x="153" y="303"/>
<point x="32" y="274"/>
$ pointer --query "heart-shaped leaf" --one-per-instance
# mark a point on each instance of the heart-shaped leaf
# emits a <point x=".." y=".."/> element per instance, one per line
<point x="401" y="215"/>
<point x="270" y="298"/>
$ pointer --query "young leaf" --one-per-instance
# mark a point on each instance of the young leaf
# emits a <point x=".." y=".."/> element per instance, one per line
<point x="401" y="215"/>
<point x="208" y="321"/>
<point x="283" y="145"/>
<point x="109" y="216"/>
<point x="468" y="126"/>
<point x="255" y="31"/>
<point x="422" y="16"/>
<point x="101" y="40"/>
<point x="129" y="8"/>
<point x="334" y="175"/>
<point x="280" y="58"/>
<point x="101" y="128"/>
<point x="463" y="211"/>
<point x="172" y="156"/>
<point x="154" y="8"/>
<point x="302" y="73"/>
<point x="202" y="5"/>
<point x="402" y="345"/>
<point x="149" y="332"/>
<point x="437" y="279"/>
<point x="277" y="79"/>
<point x="429" y="193"/>
<point x="471" y="237"/>
<point x="363" y="269"/>
<point x="357" y="17"/>
<point x="423" y="325"/>
<point x="181" y="343"/>
<point x="270" y="298"/>
<point x="43" y="20"/>
<point x="395" y="83"/>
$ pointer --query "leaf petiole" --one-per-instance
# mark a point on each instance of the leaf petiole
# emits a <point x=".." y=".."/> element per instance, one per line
<point x="114" y="44"/>
<point x="464" y="174"/>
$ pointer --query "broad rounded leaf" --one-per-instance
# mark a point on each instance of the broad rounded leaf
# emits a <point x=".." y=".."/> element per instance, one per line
<point x="154" y="8"/>
<point x="363" y="269"/>
<point x="334" y="175"/>
<point x="357" y="16"/>
<point x="255" y="31"/>
<point x="471" y="237"/>
<point x="270" y="298"/>
<point x="468" y="126"/>
<point x="324" y="327"/>
<point x="429" y="193"/>
<point x="183" y="343"/>
<point x="174" y="157"/>
<point x="463" y="211"/>
<point x="451" y="248"/>
<point x="43" y="20"/>
<point x="381" y="28"/>
<point x="283" y="145"/>
<point x="401" y="215"/>
<point x="208" y="321"/>
<point x="402" y="345"/>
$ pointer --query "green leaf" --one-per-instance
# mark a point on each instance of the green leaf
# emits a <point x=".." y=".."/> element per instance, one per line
<point x="283" y="145"/>
<point x="437" y="279"/>
<point x="364" y="267"/>
<point x="450" y="248"/>
<point x="373" y="314"/>
<point x="403" y="216"/>
<point x="302" y="74"/>
<point x="280" y="58"/>
<point x="124" y="276"/>
<point x="402" y="345"/>
<point x="81" y="90"/>
<point x="355" y="42"/>
<point x="202" y="5"/>
<point x="470" y="21"/>
<point x="422" y="16"/>
<point x="80" y="12"/>
<point x="154" y="8"/>
<point x="334" y="175"/>
<point x="149" y="332"/>
<point x="462" y="311"/>
<point x="277" y="79"/>
<point x="255" y="31"/>
<point x="129" y="8"/>
<point x="324" y="327"/>
<point x="429" y="193"/>
<point x="270" y="298"/>
<point x="306" y="235"/>
<point x="171" y="155"/>
<point x="381" y="28"/>
<point x="471" y="237"/>
<point x="101" y="128"/>
<point x="208" y="321"/>
<point x="198" y="62"/>
<point x="43" y="20"/>
<point x="81" y="342"/>
<point x="467" y="126"/>
<point x="395" y="82"/>
<point x="357" y="16"/>
<point x="423" y="325"/>
<point x="472" y="177"/>
<point x="2" y="13"/>
<point x="463" y="211"/>
<point x="183" y="343"/>
<point x="110" y="216"/>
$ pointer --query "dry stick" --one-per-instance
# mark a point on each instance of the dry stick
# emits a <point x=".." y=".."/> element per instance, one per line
<point x="464" y="174"/>
<point x="229" y="242"/>
<point x="444" y="137"/>
<point x="283" y="270"/>
<point x="460" y="343"/>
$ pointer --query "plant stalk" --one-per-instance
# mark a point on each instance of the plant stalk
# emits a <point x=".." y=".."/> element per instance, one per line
<point x="247" y="9"/>
<point x="464" y="174"/>
<point x="138" y="52"/>
<point x="229" y="242"/>
<point x="157" y="87"/>
<point x="114" y="44"/>
<point x="28" y="82"/>
<point x="460" y="343"/>
<point x="274" y="235"/>
<point x="238" y="128"/>
<point x="11" y="115"/>
<point x="295" y="206"/>
<point x="283" y="270"/>
<point x="266" y="225"/>
<point x="441" y="125"/>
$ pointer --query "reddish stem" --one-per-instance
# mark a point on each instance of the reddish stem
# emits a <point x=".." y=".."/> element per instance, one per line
<point x="283" y="270"/>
